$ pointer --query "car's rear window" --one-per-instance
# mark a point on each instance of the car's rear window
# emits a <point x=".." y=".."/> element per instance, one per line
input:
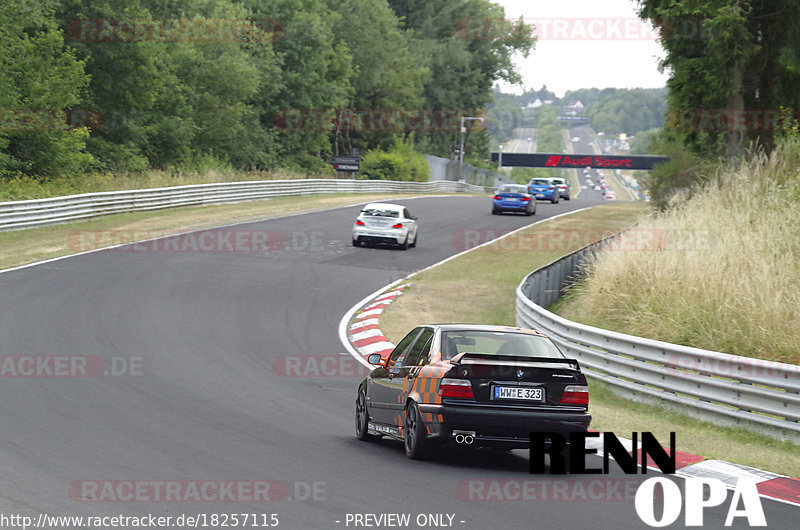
<point x="381" y="213"/>
<point x="539" y="182"/>
<point x="497" y="343"/>
<point x="512" y="189"/>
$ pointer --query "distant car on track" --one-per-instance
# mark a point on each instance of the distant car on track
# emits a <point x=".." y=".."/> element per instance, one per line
<point x="543" y="189"/>
<point x="384" y="223"/>
<point x="513" y="198"/>
<point x="563" y="187"/>
<point x="471" y="385"/>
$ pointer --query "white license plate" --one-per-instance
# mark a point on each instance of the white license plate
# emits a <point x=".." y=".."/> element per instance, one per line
<point x="511" y="199"/>
<point x="539" y="195"/>
<point x="518" y="392"/>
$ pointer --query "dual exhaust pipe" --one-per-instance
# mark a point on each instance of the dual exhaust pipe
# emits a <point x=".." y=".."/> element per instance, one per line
<point x="464" y="437"/>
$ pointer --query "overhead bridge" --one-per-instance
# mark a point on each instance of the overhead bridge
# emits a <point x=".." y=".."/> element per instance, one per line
<point x="575" y="161"/>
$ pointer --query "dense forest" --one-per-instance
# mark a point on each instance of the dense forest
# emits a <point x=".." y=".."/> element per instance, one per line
<point x="110" y="85"/>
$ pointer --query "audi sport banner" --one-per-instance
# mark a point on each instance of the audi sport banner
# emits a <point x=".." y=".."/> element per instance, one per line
<point x="580" y="161"/>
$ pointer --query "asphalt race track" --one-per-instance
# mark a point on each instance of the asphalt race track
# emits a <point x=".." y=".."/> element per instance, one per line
<point x="200" y="341"/>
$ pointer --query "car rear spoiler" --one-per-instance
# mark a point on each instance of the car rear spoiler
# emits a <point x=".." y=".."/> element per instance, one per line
<point x="468" y="356"/>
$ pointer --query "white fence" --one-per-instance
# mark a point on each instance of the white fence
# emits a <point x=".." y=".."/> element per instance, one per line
<point x="40" y="212"/>
<point x="717" y="386"/>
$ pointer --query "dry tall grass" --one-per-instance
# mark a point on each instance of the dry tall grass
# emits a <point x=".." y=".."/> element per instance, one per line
<point x="719" y="270"/>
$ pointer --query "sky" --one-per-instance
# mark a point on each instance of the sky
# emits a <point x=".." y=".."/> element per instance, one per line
<point x="584" y="44"/>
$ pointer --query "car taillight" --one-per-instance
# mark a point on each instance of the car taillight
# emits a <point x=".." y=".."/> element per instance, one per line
<point x="525" y="199"/>
<point x="550" y="188"/>
<point x="497" y="197"/>
<point x="575" y="395"/>
<point x="360" y="223"/>
<point x="455" y="388"/>
<point x="397" y="225"/>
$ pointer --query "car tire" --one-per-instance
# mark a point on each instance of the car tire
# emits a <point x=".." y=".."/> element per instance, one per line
<point x="554" y="200"/>
<point x="404" y="244"/>
<point x="416" y="238"/>
<point x="528" y="211"/>
<point x="566" y="198"/>
<point x="356" y="242"/>
<point x="495" y="212"/>
<point x="362" y="419"/>
<point x="414" y="441"/>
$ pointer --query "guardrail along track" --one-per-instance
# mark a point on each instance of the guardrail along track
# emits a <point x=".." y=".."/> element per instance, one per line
<point x="41" y="212"/>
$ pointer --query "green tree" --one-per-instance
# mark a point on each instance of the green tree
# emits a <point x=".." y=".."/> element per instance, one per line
<point x="727" y="57"/>
<point x="466" y="46"/>
<point x="315" y="75"/>
<point x="386" y="75"/>
<point x="40" y="80"/>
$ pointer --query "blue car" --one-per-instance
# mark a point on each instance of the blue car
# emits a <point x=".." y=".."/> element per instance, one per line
<point x="513" y="198"/>
<point x="544" y="189"/>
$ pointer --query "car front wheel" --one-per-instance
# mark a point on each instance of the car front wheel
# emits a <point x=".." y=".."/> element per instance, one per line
<point x="362" y="419"/>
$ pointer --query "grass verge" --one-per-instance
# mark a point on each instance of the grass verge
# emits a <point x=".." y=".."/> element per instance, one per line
<point x="26" y="246"/>
<point x="448" y="293"/>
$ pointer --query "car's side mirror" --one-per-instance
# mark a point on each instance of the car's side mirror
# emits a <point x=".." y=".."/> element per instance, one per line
<point x="413" y="217"/>
<point x="374" y="359"/>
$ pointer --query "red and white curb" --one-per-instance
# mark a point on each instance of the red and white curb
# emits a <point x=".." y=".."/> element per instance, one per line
<point x="364" y="333"/>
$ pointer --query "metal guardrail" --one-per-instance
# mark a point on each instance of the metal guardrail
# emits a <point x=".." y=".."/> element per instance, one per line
<point x="720" y="387"/>
<point x="42" y="212"/>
